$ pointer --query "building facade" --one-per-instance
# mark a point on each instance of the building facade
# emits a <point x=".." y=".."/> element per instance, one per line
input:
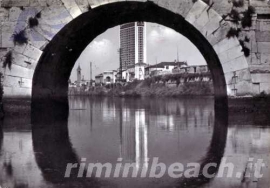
<point x="99" y="79"/>
<point x="107" y="77"/>
<point x="163" y="68"/>
<point x="79" y="76"/>
<point x="132" y="43"/>
<point x="140" y="71"/>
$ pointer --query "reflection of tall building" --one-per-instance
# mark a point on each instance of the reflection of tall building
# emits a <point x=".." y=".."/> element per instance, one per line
<point x="134" y="146"/>
<point x="141" y="137"/>
<point x="128" y="142"/>
<point x="133" y="43"/>
<point x="166" y="122"/>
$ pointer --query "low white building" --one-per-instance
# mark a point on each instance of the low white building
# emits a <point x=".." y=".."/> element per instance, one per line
<point x="163" y="68"/>
<point x="140" y="71"/>
<point x="193" y="69"/>
<point x="128" y="74"/>
<point x="109" y="77"/>
<point x="99" y="79"/>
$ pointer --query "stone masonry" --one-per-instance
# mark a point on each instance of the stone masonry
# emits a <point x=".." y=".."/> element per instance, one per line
<point x="244" y="76"/>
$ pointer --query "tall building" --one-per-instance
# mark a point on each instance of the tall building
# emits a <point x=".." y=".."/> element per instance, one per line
<point x="79" y="75"/>
<point x="133" y="43"/>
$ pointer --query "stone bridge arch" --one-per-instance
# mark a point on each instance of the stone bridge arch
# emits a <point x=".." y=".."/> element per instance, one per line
<point x="231" y="70"/>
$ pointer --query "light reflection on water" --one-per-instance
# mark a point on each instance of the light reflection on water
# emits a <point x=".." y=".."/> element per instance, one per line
<point x="136" y="129"/>
<point x="104" y="129"/>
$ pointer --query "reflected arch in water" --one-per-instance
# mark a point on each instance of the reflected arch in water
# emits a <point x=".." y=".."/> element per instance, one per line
<point x="215" y="151"/>
<point x="53" y="150"/>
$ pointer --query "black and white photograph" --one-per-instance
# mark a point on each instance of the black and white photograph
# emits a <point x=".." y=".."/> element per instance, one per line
<point x="134" y="93"/>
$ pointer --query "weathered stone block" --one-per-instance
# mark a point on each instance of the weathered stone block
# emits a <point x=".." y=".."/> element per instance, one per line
<point x="244" y="88"/>
<point x="83" y="5"/>
<point x="36" y="39"/>
<point x="14" y="14"/>
<point x="219" y="34"/>
<point x="20" y="59"/>
<point x="11" y="81"/>
<point x="18" y="15"/>
<point x="50" y="2"/>
<point x="0" y="34"/>
<point x="32" y="52"/>
<point x="32" y="64"/>
<point x="72" y="7"/>
<point x="260" y="78"/>
<point x="258" y="3"/>
<point x="238" y="76"/>
<point x="19" y="71"/>
<point x="17" y="92"/>
<point x="3" y="14"/>
<point x="260" y="68"/>
<point x="7" y="32"/>
<point x="263" y="36"/>
<point x="53" y="19"/>
<point x="252" y="44"/>
<point x="235" y="65"/>
<point x="96" y="3"/>
<point x="226" y="44"/>
<point x="254" y="59"/>
<point x="231" y="54"/>
<point x="19" y="48"/>
<point x="176" y="6"/>
<point x="196" y="11"/>
<point x="206" y="16"/>
<point x="263" y="25"/>
<point x="15" y="3"/>
<point x="265" y="87"/>
<point x="222" y="7"/>
<point x="183" y="7"/>
<point x="9" y="29"/>
<point x="34" y="3"/>
<point x="215" y="22"/>
<point x="265" y="58"/>
<point x="262" y="9"/>
<point x="263" y="47"/>
<point x="3" y="52"/>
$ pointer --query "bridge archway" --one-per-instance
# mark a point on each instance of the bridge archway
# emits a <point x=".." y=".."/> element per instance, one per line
<point x="201" y="25"/>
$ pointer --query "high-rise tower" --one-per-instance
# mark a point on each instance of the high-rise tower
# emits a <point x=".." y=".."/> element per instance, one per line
<point x="79" y="75"/>
<point x="133" y="43"/>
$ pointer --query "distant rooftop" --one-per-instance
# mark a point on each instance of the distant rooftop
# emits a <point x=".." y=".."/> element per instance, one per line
<point x="141" y="64"/>
<point x="163" y="64"/>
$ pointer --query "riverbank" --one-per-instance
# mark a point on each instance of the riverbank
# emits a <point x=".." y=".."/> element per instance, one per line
<point x="240" y="109"/>
<point x="17" y="107"/>
<point x="146" y="89"/>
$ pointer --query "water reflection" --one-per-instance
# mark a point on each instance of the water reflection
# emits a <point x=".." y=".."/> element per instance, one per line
<point x="102" y="130"/>
<point x="137" y="130"/>
<point x="214" y="153"/>
<point x="53" y="151"/>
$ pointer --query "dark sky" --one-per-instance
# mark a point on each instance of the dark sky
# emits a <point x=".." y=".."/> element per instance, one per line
<point x="162" y="44"/>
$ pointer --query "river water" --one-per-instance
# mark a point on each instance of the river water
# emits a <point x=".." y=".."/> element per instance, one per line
<point x="133" y="131"/>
